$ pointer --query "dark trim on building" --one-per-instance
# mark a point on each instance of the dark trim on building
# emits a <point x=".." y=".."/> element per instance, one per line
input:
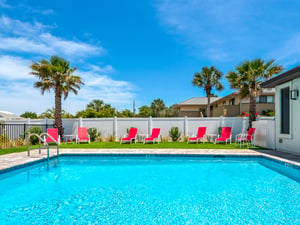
<point x="282" y="78"/>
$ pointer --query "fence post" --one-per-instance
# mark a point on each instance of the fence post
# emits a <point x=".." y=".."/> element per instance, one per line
<point x="80" y="121"/>
<point x="186" y="128"/>
<point x="24" y="130"/>
<point x="150" y="125"/>
<point x="46" y="123"/>
<point x="115" y="128"/>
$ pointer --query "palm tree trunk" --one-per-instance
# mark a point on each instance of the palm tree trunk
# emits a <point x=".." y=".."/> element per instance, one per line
<point x="208" y="104"/>
<point x="58" y="120"/>
<point x="252" y="110"/>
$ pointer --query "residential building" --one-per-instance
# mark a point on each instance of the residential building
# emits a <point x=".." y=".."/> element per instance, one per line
<point x="194" y="107"/>
<point x="287" y="106"/>
<point x="4" y="115"/>
<point x="230" y="105"/>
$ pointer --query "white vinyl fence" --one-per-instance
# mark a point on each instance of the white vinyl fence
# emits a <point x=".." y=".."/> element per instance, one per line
<point x="187" y="125"/>
<point x="265" y="133"/>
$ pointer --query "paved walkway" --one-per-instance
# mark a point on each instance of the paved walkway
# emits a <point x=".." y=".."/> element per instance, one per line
<point x="17" y="159"/>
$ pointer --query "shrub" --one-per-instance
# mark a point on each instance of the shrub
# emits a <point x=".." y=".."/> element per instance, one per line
<point x="220" y="131"/>
<point x="185" y="138"/>
<point x="268" y="113"/>
<point x="36" y="130"/>
<point x="111" y="138"/>
<point x="165" y="139"/>
<point x="99" y="137"/>
<point x="93" y="133"/>
<point x="174" y="133"/>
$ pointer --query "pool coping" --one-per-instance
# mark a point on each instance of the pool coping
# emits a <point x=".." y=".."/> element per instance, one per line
<point x="25" y="161"/>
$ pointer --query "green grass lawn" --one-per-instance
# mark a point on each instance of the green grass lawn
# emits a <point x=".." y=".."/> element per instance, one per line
<point x="179" y="145"/>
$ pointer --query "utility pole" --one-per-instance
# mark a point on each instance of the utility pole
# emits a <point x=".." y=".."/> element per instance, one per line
<point x="133" y="107"/>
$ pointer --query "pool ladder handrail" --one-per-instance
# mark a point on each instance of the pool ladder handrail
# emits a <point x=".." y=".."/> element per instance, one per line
<point x="42" y="140"/>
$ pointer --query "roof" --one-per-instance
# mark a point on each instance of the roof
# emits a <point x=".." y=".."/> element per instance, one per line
<point x="282" y="78"/>
<point x="203" y="100"/>
<point x="8" y="115"/>
<point x="198" y="101"/>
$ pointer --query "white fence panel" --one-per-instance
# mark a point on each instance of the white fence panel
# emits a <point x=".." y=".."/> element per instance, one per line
<point x="103" y="125"/>
<point x="265" y="133"/>
<point x="142" y="124"/>
<point x="165" y="124"/>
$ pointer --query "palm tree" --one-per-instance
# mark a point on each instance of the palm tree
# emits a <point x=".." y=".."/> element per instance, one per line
<point x="248" y="76"/>
<point x="208" y="78"/>
<point x="56" y="75"/>
<point x="96" y="105"/>
<point x="157" y="106"/>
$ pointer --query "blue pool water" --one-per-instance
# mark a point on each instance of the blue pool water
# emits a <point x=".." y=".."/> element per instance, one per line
<point x="151" y="190"/>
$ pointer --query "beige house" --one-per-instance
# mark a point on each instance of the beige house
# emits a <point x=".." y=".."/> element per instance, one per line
<point x="230" y="105"/>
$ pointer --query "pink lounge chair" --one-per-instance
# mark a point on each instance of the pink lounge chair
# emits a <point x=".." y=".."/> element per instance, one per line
<point x="52" y="136"/>
<point x="245" y="138"/>
<point x="131" y="136"/>
<point x="200" y="135"/>
<point x="82" y="135"/>
<point x="225" y="136"/>
<point x="154" y="136"/>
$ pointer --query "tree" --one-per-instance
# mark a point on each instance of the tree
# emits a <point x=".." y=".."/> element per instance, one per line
<point x="125" y="113"/>
<point x="172" y="111"/>
<point x="96" y="105"/>
<point x="49" y="113"/>
<point x="208" y="78"/>
<point x="96" y="109"/>
<point x="157" y="107"/>
<point x="56" y="75"/>
<point x="31" y="115"/>
<point x="248" y="76"/>
<point x="144" y="111"/>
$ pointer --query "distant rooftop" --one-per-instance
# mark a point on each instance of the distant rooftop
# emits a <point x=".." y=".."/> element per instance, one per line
<point x="198" y="101"/>
<point x="203" y="100"/>
<point x="8" y="115"/>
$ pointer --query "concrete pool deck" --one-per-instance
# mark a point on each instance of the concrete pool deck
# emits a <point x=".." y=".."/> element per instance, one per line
<point x="18" y="159"/>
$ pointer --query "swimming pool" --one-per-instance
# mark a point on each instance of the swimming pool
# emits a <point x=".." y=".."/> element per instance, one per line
<point x="145" y="189"/>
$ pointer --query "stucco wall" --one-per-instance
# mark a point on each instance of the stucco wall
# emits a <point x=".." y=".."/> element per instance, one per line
<point x="226" y="110"/>
<point x="259" y="107"/>
<point x="291" y="142"/>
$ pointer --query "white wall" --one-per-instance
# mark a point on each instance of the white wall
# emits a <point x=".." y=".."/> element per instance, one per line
<point x="291" y="142"/>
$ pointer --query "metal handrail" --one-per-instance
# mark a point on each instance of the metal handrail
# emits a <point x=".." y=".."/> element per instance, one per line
<point x="40" y="141"/>
<point x="56" y="142"/>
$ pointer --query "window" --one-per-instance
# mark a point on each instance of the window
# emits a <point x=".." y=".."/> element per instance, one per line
<point x="270" y="99"/>
<point x="224" y="103"/>
<point x="285" y="110"/>
<point x="265" y="99"/>
<point x="216" y="105"/>
<point x="232" y="101"/>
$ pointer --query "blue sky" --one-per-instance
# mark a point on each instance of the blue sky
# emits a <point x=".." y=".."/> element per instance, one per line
<point x="140" y="50"/>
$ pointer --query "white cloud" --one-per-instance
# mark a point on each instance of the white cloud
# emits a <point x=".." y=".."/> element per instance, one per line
<point x="229" y="30"/>
<point x="34" y="38"/>
<point x="17" y="27"/>
<point x="18" y="95"/>
<point x="287" y="52"/>
<point x="14" y="68"/>
<point x="30" y="39"/>
<point x="3" y="4"/>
